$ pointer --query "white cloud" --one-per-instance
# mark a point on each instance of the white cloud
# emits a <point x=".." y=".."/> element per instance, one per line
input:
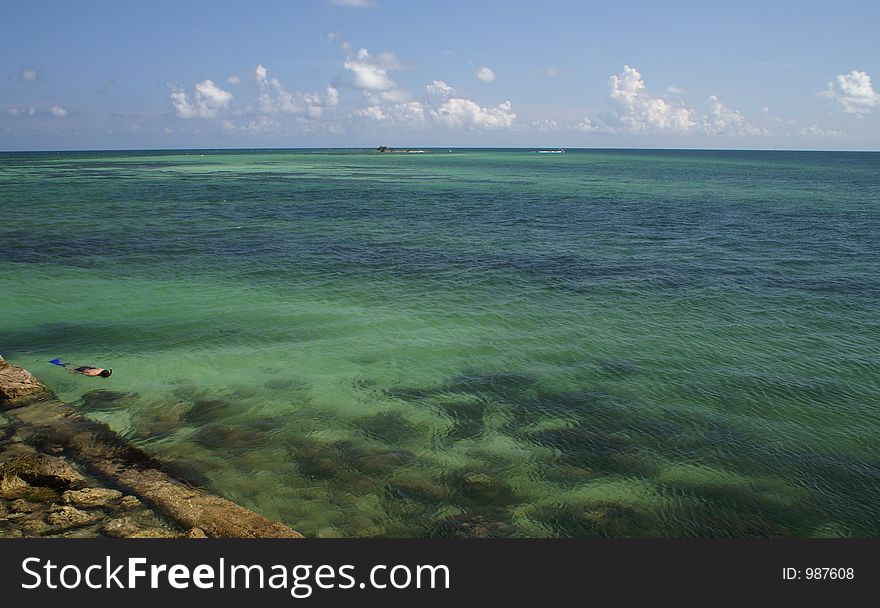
<point x="234" y="80"/>
<point x="58" y="111"/>
<point x="550" y="71"/>
<point x="331" y="96"/>
<point x="464" y="113"/>
<point x="586" y="125"/>
<point x="227" y="125"/>
<point x="818" y="132"/>
<point x="354" y="3"/>
<point x="411" y="112"/>
<point x="724" y="121"/>
<point x="373" y="113"/>
<point x="263" y="124"/>
<point x="486" y="74"/>
<point x="642" y="112"/>
<point x="207" y="101"/>
<point x="272" y="98"/>
<point x="674" y="90"/>
<point x="438" y="87"/>
<point x="371" y="74"/>
<point x="853" y="92"/>
<point x="545" y="125"/>
<point x="28" y="74"/>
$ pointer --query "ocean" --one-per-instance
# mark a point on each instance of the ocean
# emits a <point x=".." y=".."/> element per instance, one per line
<point x="639" y="343"/>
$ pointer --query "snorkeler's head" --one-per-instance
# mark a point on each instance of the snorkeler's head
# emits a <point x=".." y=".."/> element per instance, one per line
<point x="106" y="373"/>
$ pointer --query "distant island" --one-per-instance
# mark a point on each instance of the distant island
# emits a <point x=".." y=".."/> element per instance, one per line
<point x="386" y="149"/>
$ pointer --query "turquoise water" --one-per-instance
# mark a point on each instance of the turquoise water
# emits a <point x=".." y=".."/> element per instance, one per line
<point x="481" y="342"/>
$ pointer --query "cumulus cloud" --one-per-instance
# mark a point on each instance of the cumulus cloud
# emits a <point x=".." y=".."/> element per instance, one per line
<point x="273" y="98"/>
<point x="640" y="111"/>
<point x="643" y="112"/>
<point x="371" y="73"/>
<point x="724" y="121"/>
<point x="853" y="93"/>
<point x="411" y="112"/>
<point x="438" y="87"/>
<point x="28" y="74"/>
<point x="486" y="74"/>
<point x="464" y="113"/>
<point x="208" y="99"/>
<point x="234" y="80"/>
<point x="58" y="111"/>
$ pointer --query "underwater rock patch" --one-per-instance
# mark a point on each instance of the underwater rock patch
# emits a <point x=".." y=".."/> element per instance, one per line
<point x="467" y="526"/>
<point x="388" y="426"/>
<point x="205" y="411"/>
<point x="103" y="399"/>
<point x="483" y="488"/>
<point x="467" y="419"/>
<point x="605" y="519"/>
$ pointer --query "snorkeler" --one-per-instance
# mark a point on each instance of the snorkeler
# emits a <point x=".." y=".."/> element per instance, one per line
<point x="85" y="370"/>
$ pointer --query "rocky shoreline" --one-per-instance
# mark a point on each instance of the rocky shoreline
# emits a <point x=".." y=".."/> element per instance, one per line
<point x="62" y="475"/>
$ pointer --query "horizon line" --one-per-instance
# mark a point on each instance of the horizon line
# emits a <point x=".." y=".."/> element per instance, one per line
<point x="592" y="148"/>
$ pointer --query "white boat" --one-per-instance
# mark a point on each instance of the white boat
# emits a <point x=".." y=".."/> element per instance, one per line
<point x="551" y="151"/>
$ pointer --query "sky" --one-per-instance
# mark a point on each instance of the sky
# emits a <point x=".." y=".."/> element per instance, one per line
<point x="362" y="73"/>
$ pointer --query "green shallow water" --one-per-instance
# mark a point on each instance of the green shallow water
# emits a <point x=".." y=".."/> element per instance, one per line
<point x="601" y="343"/>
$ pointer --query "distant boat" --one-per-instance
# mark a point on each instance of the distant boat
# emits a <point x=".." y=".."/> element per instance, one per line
<point x="551" y="151"/>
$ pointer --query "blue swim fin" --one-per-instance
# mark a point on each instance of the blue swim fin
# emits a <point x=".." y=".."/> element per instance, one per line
<point x="57" y="362"/>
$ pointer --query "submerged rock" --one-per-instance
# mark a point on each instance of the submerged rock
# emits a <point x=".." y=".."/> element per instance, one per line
<point x="64" y="517"/>
<point x="389" y="426"/>
<point x="91" y="497"/>
<point x="373" y="460"/>
<point x="159" y="421"/>
<point x="422" y="489"/>
<point x="317" y="461"/>
<point x="40" y="469"/>
<point x="208" y="410"/>
<point x="618" y="368"/>
<point x="127" y="527"/>
<point x="24" y="506"/>
<point x="467" y="526"/>
<point x="467" y="419"/>
<point x="227" y="437"/>
<point x="483" y="488"/>
<point x="597" y="519"/>
<point x="103" y="399"/>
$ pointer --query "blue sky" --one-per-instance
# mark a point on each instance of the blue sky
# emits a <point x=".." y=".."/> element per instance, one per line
<point x="320" y="73"/>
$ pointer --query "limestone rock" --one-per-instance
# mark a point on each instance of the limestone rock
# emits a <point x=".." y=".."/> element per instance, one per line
<point x="17" y="383"/>
<point x="153" y="533"/>
<point x="127" y="527"/>
<point x="63" y="517"/>
<point x="24" y="506"/>
<point x="129" y="502"/>
<point x="12" y="487"/>
<point x="195" y="533"/>
<point x="58" y="473"/>
<point x="92" y="497"/>
<point x="2" y="510"/>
